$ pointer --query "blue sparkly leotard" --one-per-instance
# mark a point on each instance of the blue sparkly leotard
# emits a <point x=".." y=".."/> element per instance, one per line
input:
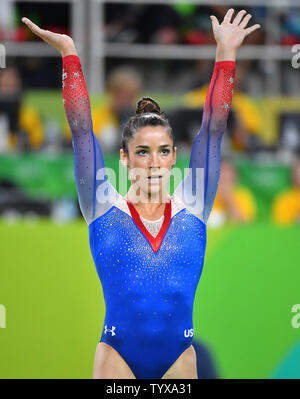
<point x="149" y="283"/>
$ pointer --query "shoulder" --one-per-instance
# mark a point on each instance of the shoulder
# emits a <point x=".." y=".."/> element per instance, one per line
<point x="113" y="204"/>
<point x="122" y="205"/>
<point x="195" y="209"/>
<point x="177" y="205"/>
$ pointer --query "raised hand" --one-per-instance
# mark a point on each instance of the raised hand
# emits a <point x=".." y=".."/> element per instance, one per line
<point x="63" y="43"/>
<point x="232" y="34"/>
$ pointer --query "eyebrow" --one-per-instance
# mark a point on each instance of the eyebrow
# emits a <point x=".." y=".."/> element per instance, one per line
<point x="146" y="146"/>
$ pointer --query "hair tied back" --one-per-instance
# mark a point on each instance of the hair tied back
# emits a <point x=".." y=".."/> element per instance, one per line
<point x="147" y="105"/>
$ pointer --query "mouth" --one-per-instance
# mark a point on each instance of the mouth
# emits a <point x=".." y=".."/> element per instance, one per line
<point x="154" y="178"/>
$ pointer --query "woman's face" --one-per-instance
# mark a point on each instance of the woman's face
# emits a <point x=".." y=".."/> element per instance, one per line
<point x="150" y="159"/>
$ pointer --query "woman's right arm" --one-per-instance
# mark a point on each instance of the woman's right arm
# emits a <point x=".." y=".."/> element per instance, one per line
<point x="88" y="159"/>
<point x="199" y="188"/>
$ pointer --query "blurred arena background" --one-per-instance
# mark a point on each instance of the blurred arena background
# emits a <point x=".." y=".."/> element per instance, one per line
<point x="52" y="312"/>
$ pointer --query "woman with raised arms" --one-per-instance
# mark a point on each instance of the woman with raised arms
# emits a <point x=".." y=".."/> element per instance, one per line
<point x="148" y="247"/>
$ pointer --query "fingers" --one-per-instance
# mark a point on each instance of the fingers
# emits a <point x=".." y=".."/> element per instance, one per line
<point x="239" y="17"/>
<point x="251" y="29"/>
<point x="33" y="27"/>
<point x="240" y="20"/>
<point x="228" y="15"/>
<point x="214" y="21"/>
<point x="245" y="21"/>
<point x="46" y="35"/>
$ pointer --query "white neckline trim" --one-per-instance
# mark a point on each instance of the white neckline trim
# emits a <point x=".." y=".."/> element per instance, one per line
<point x="152" y="221"/>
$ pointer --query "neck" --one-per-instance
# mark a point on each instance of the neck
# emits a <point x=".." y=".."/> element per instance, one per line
<point x="148" y="204"/>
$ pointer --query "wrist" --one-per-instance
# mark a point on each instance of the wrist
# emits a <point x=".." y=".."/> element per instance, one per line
<point x="225" y="53"/>
<point x="68" y="51"/>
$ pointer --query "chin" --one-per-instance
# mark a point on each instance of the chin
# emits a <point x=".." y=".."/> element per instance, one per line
<point x="154" y="190"/>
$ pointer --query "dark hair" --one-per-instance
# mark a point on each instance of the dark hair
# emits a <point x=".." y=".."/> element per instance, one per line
<point x="147" y="114"/>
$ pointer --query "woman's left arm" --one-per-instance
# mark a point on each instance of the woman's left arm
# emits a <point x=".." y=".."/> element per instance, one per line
<point x="200" y="186"/>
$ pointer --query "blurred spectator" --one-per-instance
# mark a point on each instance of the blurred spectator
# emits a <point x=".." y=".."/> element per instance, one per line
<point x="166" y="24"/>
<point x="233" y="202"/>
<point x="195" y="24"/>
<point x="286" y="206"/>
<point x="21" y="127"/>
<point x="142" y="24"/>
<point x="7" y="16"/>
<point x="195" y="27"/>
<point x="158" y="25"/>
<point x="10" y="98"/>
<point x="119" y="22"/>
<point x="123" y="89"/>
<point x="291" y="26"/>
<point x="15" y="202"/>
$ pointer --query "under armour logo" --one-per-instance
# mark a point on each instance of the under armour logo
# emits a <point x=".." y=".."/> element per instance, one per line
<point x="189" y="333"/>
<point x="110" y="330"/>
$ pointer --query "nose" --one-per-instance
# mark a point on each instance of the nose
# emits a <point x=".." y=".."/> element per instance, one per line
<point x="154" y="161"/>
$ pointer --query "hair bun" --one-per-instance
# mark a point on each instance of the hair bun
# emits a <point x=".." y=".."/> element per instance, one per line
<point x="147" y="105"/>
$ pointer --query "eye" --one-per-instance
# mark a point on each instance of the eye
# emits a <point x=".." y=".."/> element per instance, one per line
<point x="166" y="151"/>
<point x="141" y="152"/>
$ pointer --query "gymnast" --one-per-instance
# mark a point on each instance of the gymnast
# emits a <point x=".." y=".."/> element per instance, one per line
<point x="148" y="247"/>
